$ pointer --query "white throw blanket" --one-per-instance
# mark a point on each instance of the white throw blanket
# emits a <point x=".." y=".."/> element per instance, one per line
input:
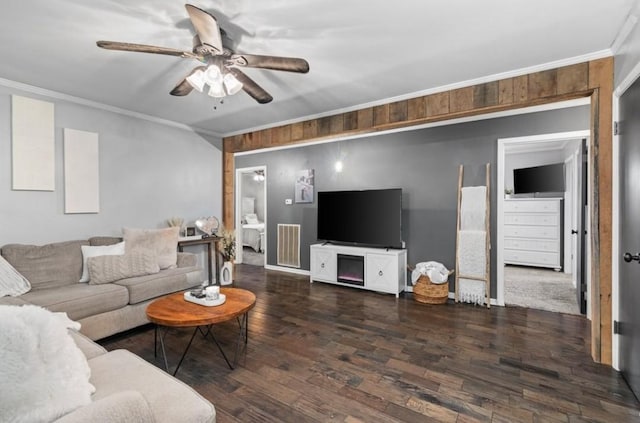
<point x="471" y="291"/>
<point x="473" y="208"/>
<point x="43" y="373"/>
<point x="472" y="254"/>
<point x="472" y="245"/>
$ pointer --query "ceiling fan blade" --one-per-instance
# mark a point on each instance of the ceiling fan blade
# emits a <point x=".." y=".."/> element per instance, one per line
<point x="207" y="28"/>
<point x="250" y="87"/>
<point x="184" y="87"/>
<point x="143" y="48"/>
<point x="289" y="64"/>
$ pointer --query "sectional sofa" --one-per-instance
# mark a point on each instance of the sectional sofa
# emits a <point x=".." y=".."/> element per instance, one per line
<point x="127" y="388"/>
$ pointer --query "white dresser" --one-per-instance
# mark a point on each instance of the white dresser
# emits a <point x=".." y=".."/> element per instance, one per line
<point x="533" y="232"/>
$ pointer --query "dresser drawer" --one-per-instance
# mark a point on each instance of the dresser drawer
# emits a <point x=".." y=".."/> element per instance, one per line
<point x="535" y="206"/>
<point x="533" y="258"/>
<point x="546" y="232"/>
<point x="552" y="246"/>
<point x="532" y="219"/>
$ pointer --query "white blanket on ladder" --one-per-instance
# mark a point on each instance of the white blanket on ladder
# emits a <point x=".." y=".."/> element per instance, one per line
<point x="472" y="262"/>
<point x="473" y="208"/>
<point x="472" y="244"/>
<point x="472" y="257"/>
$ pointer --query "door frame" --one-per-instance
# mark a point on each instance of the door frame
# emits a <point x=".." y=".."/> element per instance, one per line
<point x="570" y="216"/>
<point x="238" y="210"/>
<point x="502" y="147"/>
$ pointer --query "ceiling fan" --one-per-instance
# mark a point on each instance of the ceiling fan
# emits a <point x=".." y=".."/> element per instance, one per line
<point x="220" y="69"/>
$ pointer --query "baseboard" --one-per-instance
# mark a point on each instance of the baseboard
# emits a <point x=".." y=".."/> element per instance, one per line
<point x="287" y="270"/>
<point x="452" y="296"/>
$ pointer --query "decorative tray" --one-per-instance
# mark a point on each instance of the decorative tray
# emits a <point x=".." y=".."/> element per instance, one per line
<point x="204" y="301"/>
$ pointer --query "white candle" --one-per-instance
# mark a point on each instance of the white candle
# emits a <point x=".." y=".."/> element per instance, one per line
<point x="212" y="292"/>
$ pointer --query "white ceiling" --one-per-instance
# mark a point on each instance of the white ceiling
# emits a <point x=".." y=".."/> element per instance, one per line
<point x="359" y="51"/>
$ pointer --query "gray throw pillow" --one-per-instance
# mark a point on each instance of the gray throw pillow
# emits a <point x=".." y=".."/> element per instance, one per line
<point x="105" y="269"/>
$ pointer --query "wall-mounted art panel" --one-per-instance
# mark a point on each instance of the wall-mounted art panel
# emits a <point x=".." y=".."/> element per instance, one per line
<point x="81" y="172"/>
<point x="33" y="144"/>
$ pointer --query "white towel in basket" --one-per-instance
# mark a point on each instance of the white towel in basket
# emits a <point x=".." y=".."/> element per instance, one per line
<point x="437" y="273"/>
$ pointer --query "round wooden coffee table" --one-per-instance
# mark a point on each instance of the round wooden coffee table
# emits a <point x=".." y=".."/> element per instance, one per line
<point x="174" y="311"/>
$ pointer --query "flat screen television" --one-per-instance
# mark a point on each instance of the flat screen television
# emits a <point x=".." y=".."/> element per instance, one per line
<point x="546" y="178"/>
<point x="368" y="217"/>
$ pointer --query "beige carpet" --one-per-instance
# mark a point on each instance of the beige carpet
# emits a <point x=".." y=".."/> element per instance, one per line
<point x="539" y="288"/>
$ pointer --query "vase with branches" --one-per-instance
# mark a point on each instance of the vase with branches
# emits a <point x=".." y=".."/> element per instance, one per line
<point x="227" y="244"/>
<point x="228" y="253"/>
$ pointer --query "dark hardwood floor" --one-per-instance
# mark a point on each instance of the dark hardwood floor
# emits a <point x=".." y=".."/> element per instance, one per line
<point x="319" y="352"/>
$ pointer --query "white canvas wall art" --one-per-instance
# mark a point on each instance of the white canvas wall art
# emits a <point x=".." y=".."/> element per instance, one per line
<point x="32" y="144"/>
<point x="81" y="172"/>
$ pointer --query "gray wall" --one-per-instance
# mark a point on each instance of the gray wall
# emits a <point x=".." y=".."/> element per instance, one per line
<point x="149" y="172"/>
<point x="424" y="163"/>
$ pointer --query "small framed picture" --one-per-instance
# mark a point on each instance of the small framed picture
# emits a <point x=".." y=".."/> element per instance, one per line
<point x="304" y="186"/>
<point x="191" y="230"/>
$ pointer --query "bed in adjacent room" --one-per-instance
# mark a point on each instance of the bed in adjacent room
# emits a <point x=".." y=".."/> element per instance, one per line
<point x="252" y="232"/>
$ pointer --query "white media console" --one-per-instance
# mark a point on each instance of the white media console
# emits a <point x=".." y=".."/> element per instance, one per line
<point x="374" y="269"/>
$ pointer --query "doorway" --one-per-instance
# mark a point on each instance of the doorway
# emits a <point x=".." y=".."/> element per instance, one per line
<point x="541" y="243"/>
<point x="251" y="215"/>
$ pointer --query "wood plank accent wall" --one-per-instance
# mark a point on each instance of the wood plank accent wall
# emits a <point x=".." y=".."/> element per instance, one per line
<point x="589" y="79"/>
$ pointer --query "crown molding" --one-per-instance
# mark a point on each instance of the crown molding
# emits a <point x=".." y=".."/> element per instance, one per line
<point x="482" y="80"/>
<point x="102" y="106"/>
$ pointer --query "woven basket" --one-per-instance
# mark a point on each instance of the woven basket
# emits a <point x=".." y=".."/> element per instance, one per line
<point x="427" y="292"/>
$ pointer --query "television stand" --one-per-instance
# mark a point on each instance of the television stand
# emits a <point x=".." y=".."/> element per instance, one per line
<point x="373" y="269"/>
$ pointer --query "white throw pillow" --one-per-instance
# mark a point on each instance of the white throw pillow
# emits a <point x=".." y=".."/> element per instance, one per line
<point x="11" y="281"/>
<point x="251" y="218"/>
<point x="101" y="250"/>
<point x="43" y="373"/>
<point x="163" y="241"/>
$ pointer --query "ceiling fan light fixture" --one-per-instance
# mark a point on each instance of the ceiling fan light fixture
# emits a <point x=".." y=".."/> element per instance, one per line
<point x="231" y="84"/>
<point x="213" y="76"/>
<point x="216" y="90"/>
<point x="196" y="80"/>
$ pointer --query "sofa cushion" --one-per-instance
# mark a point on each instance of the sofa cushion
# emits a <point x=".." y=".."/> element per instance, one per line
<point x="121" y="407"/>
<point x="170" y="400"/>
<point x="80" y="300"/>
<point x="89" y="348"/>
<point x="12" y="301"/>
<point x="143" y="288"/>
<point x="163" y="241"/>
<point x="89" y="251"/>
<point x="47" y="266"/>
<point x="110" y="268"/>
<point x="97" y="241"/>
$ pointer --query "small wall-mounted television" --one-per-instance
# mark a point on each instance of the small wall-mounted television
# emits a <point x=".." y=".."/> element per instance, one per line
<point x="367" y="217"/>
<point x="546" y="178"/>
